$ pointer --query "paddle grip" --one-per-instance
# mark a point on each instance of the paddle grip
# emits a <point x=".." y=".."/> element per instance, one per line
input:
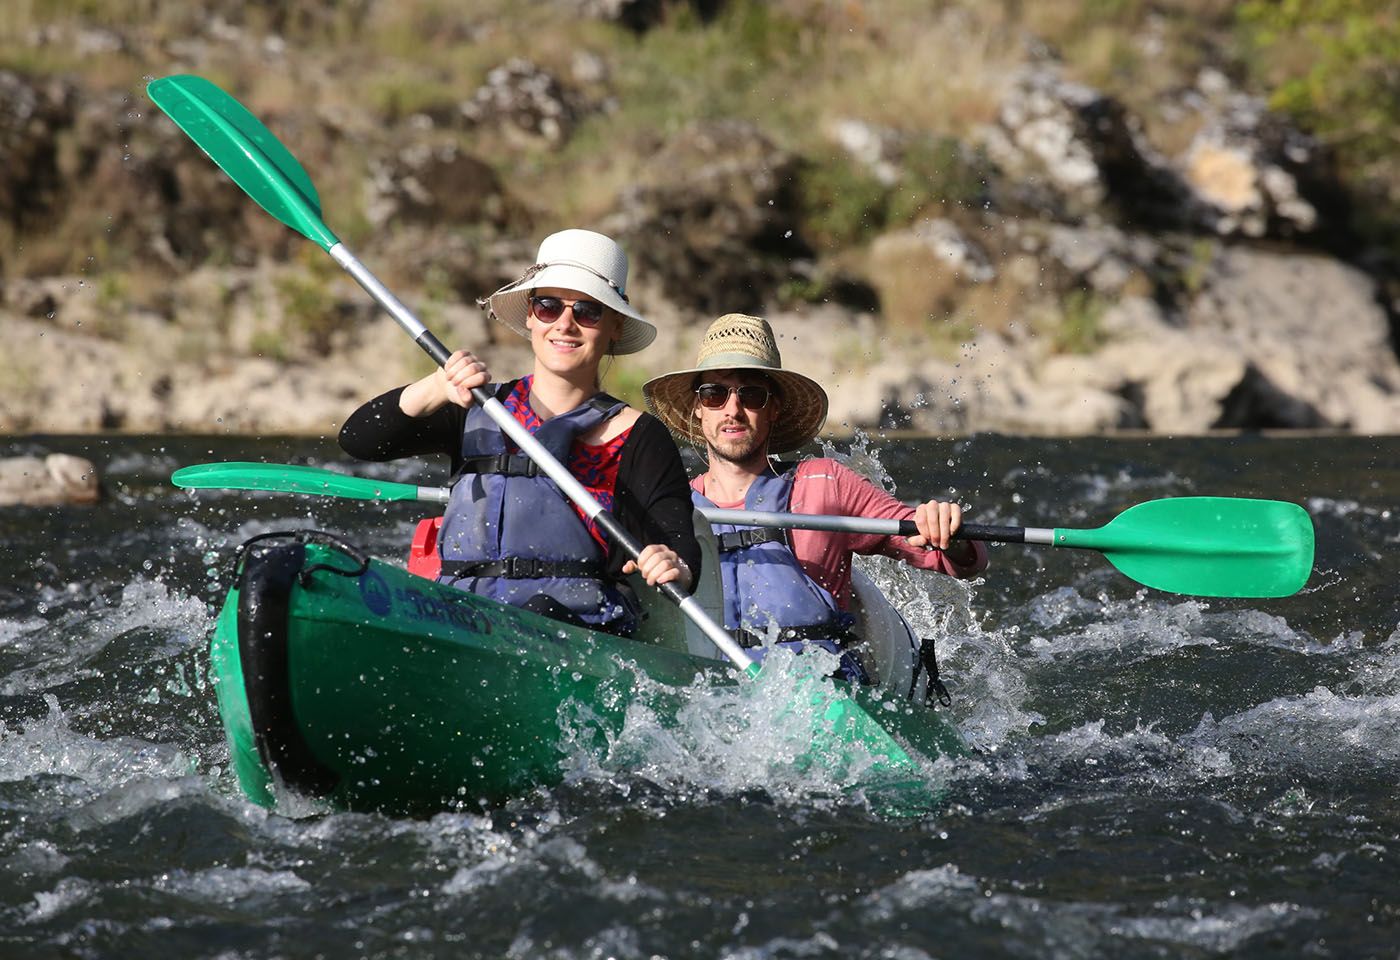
<point x="977" y="531"/>
<point x="973" y="531"/>
<point x="434" y="348"/>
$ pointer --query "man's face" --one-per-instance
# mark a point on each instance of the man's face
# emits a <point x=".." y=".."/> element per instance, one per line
<point x="732" y="431"/>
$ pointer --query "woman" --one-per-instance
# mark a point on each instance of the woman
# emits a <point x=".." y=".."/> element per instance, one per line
<point x="509" y="532"/>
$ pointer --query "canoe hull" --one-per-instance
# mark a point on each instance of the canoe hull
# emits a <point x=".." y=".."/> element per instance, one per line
<point x="351" y="680"/>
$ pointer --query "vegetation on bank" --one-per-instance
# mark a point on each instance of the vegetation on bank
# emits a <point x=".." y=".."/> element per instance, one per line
<point x="932" y="72"/>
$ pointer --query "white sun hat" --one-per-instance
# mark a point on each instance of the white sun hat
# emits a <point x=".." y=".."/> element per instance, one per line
<point x="579" y="260"/>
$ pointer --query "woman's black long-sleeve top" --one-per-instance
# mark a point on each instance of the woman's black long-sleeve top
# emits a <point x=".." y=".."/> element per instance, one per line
<point x="651" y="501"/>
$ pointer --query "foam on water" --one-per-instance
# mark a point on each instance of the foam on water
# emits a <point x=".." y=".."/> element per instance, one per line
<point x="52" y="747"/>
<point x="1049" y="927"/>
<point x="1320" y="734"/>
<point x="1325" y="736"/>
<point x="56" y="650"/>
<point x="731" y="737"/>
<point x="229" y="886"/>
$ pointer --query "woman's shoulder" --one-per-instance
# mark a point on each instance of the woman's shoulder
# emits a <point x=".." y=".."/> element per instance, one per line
<point x="609" y="430"/>
<point x="648" y="429"/>
<point x="648" y="437"/>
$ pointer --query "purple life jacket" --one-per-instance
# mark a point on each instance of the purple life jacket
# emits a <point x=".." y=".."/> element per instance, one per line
<point x="763" y="581"/>
<point x="509" y="532"/>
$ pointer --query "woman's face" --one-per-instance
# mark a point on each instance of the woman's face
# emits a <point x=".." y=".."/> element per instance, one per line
<point x="566" y="346"/>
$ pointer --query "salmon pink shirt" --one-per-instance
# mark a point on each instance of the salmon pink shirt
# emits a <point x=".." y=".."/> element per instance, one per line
<point x="824" y="486"/>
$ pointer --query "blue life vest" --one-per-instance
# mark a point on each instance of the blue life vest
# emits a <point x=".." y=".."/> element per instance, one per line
<point x="764" y="583"/>
<point x="510" y="533"/>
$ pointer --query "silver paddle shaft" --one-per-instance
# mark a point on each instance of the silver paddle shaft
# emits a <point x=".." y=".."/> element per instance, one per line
<point x="536" y="451"/>
<point x="871" y="525"/>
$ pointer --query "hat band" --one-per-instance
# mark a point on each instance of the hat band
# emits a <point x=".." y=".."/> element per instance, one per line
<point x="721" y="360"/>
<point x="484" y="303"/>
<point x="581" y="266"/>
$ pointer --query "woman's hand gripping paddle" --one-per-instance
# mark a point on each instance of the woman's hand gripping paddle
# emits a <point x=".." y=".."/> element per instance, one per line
<point x="265" y="170"/>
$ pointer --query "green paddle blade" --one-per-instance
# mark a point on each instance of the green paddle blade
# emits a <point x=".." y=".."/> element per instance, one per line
<point x="1207" y="546"/>
<point x="288" y="478"/>
<point x="245" y="150"/>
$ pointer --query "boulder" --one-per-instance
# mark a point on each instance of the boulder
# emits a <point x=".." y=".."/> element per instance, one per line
<point x="1250" y="171"/>
<point x="1314" y="331"/>
<point x="522" y="101"/>
<point x="1174" y="384"/>
<point x="430" y="184"/>
<point x="56" y="479"/>
<point x="714" y="218"/>
<point x="921" y="272"/>
<point x="1072" y="150"/>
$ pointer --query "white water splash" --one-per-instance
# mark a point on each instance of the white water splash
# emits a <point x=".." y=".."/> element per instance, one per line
<point x="229" y="886"/>
<point x="1147" y="626"/>
<point x="68" y="893"/>
<point x="50" y="746"/>
<point x="70" y="643"/>
<point x="734" y="737"/>
<point x="1320" y="733"/>
<point x="979" y="664"/>
<point x="1050" y="927"/>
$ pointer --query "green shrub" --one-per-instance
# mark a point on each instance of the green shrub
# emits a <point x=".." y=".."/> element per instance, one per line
<point x="1332" y="64"/>
<point x="1080" y="330"/>
<point x="271" y="345"/>
<point x="624" y="380"/>
<point x="840" y="203"/>
<point x="935" y="171"/>
<point x="308" y="304"/>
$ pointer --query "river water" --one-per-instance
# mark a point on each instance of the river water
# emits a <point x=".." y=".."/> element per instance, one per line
<point x="1157" y="775"/>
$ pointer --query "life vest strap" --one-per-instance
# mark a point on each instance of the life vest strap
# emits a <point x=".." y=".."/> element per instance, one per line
<point x="739" y="539"/>
<point x="524" y="568"/>
<point x="505" y="464"/>
<point x="817" y="631"/>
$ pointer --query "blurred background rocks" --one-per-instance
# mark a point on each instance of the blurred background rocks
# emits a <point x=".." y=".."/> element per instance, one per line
<point x="1051" y="218"/>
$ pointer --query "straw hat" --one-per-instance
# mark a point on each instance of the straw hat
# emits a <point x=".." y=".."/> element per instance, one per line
<point x="739" y="342"/>
<point x="581" y="260"/>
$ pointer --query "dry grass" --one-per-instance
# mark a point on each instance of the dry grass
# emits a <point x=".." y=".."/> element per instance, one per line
<point x="349" y="75"/>
<point x="913" y="286"/>
<point x="936" y="71"/>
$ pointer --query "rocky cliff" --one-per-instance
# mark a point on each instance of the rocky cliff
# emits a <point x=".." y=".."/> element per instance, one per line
<point x="1011" y="248"/>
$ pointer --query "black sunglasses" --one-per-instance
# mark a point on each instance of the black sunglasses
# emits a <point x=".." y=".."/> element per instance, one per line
<point x="587" y="313"/>
<point x="715" y="395"/>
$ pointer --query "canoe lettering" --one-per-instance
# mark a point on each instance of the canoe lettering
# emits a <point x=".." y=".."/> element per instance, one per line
<point x="375" y="593"/>
<point x="456" y="609"/>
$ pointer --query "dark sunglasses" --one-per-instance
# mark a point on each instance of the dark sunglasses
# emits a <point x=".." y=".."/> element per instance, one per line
<point x="587" y="313"/>
<point x="715" y="395"/>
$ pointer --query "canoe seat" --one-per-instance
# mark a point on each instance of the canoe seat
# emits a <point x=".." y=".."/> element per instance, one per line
<point x="888" y="649"/>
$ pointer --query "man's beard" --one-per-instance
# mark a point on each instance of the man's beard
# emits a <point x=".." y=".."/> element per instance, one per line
<point x="740" y="451"/>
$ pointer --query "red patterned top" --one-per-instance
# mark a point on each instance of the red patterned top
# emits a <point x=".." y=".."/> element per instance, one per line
<point x="595" y="465"/>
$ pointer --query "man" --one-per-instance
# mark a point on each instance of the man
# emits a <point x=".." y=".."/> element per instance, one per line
<point x="739" y="402"/>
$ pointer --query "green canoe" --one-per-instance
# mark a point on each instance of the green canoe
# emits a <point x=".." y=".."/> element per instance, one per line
<point x="348" y="679"/>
